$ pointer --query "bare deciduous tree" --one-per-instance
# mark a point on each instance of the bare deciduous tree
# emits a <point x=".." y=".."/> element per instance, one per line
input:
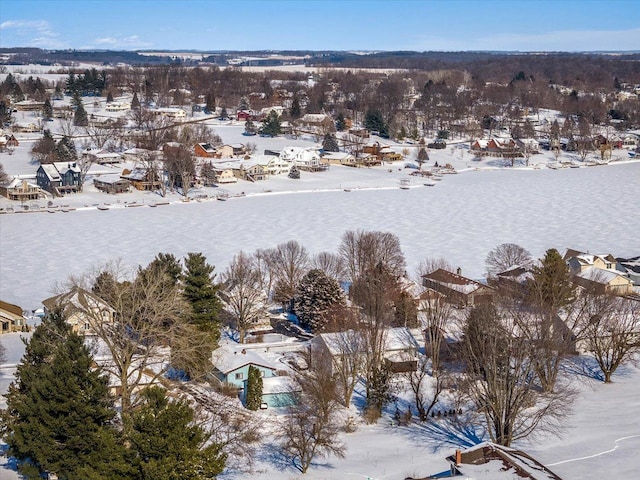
<point x="242" y="295"/>
<point x="506" y="256"/>
<point x="149" y="317"/>
<point x="501" y="380"/>
<point x="292" y="261"/>
<point x="612" y="332"/>
<point x="418" y="380"/>
<point x="310" y="429"/>
<point x="363" y="250"/>
<point x="329" y="263"/>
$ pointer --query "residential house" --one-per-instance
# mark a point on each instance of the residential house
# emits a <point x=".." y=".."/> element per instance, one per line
<point x="59" y="178"/>
<point x="8" y="141"/>
<point x="602" y="273"/>
<point x="495" y="147"/>
<point x="272" y="164"/>
<point x="11" y="318"/>
<point x="248" y="170"/>
<point x="318" y="123"/>
<point x="231" y="366"/>
<point x="224" y="173"/>
<point x="339" y="158"/>
<point x="27" y="127"/>
<point x="458" y="290"/>
<point x="103" y="157"/>
<point x="204" y="150"/>
<point x="139" y="154"/>
<point x="604" y="281"/>
<point x="307" y="159"/>
<point x="489" y="461"/>
<point x="229" y="151"/>
<point x="111" y="183"/>
<point x="20" y="190"/>
<point x="81" y="308"/>
<point x="244" y="115"/>
<point x="399" y="348"/>
<point x="142" y="178"/>
<point x="118" y="106"/>
<point x="530" y="145"/>
<point x="172" y="113"/>
<point x="632" y="266"/>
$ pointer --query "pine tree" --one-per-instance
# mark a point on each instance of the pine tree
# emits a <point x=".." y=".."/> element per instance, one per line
<point x="330" y="143"/>
<point x="109" y="97"/>
<point x="59" y="412"/>
<point x="135" y="103"/>
<point x="254" y="389"/>
<point x="47" y="109"/>
<point x="375" y="123"/>
<point x="294" y="173"/>
<point x="223" y="114"/>
<point x="65" y="150"/>
<point x="80" y="118"/>
<point x="271" y="125"/>
<point x="202" y="293"/>
<point x="315" y="294"/>
<point x="167" y="444"/>
<point x="4" y="178"/>
<point x="210" y="102"/>
<point x="552" y="285"/>
<point x="249" y="127"/>
<point x="44" y="149"/>
<point x="341" y="123"/>
<point x="295" y="108"/>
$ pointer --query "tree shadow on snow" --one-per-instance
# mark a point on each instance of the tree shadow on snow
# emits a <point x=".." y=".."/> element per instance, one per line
<point x="273" y="454"/>
<point x="587" y="366"/>
<point x="460" y="431"/>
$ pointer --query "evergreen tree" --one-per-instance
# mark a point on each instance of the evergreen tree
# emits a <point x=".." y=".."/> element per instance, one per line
<point x="210" y="102"/>
<point x="315" y="294"/>
<point x="109" y="97"/>
<point x="552" y="286"/>
<point x="341" y="123"/>
<point x="80" y="118"/>
<point x="167" y="444"/>
<point x="65" y="150"/>
<point x="59" y="412"/>
<point x="223" y="114"/>
<point x="375" y="122"/>
<point x="44" y="149"/>
<point x="249" y="127"/>
<point x="168" y="264"/>
<point x="47" y="109"/>
<point x="295" y="108"/>
<point x="294" y="173"/>
<point x="271" y="125"/>
<point x="422" y="156"/>
<point x="244" y="104"/>
<point x="135" y="103"/>
<point x="5" y="111"/>
<point x="4" y="178"/>
<point x="254" y="389"/>
<point x="330" y="143"/>
<point x="202" y="293"/>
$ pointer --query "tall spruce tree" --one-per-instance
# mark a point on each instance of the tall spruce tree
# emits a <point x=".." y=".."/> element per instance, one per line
<point x="202" y="293"/>
<point x="135" y="102"/>
<point x="315" y="294"/>
<point x="330" y="143"/>
<point x="271" y="125"/>
<point x="59" y="412"/>
<point x="47" y="109"/>
<point x="167" y="444"/>
<point x="80" y="118"/>
<point x="254" y="389"/>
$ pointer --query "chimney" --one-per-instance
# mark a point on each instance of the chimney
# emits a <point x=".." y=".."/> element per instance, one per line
<point x="458" y="457"/>
<point x="459" y="271"/>
<point x="244" y="351"/>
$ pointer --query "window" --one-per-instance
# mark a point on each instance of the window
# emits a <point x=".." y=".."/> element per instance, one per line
<point x="262" y="373"/>
<point x="239" y="376"/>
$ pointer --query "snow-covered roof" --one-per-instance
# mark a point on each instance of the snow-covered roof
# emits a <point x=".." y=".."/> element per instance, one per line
<point x="395" y="339"/>
<point x="600" y="275"/>
<point x="228" y="358"/>
<point x="275" y="385"/>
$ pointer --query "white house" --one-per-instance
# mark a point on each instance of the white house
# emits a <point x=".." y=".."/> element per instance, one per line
<point x="304" y="158"/>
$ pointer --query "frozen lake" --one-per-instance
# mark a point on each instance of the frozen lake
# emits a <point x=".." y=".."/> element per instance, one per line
<point x="462" y="219"/>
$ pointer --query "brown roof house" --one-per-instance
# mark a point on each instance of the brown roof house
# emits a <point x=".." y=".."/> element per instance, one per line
<point x="11" y="318"/>
<point x="488" y="461"/>
<point x="81" y="308"/>
<point x="458" y="290"/>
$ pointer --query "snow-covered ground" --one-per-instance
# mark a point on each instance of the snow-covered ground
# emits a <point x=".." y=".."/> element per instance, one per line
<point x="461" y="218"/>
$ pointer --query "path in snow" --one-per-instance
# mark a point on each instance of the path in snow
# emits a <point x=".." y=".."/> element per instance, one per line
<point x="595" y="454"/>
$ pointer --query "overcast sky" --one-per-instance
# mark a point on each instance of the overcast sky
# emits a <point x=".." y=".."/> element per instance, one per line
<point x="524" y="25"/>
